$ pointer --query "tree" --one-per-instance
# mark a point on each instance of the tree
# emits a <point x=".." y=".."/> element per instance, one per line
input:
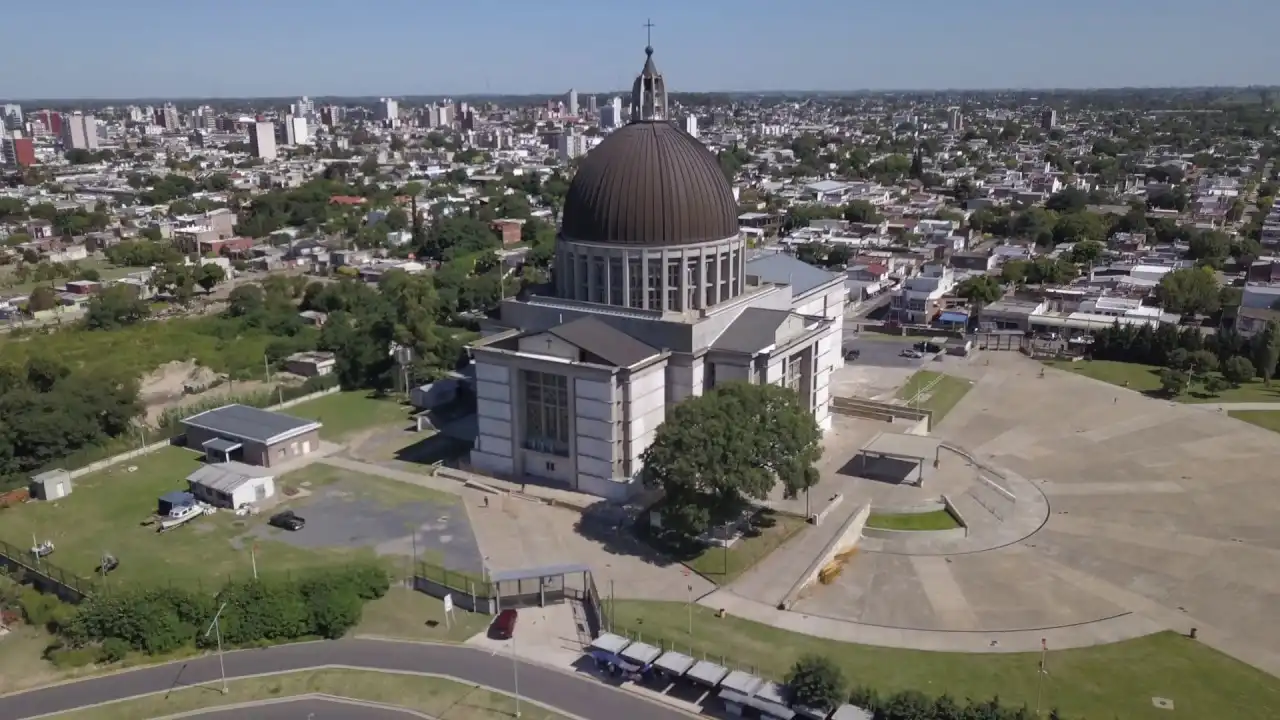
<point x="1238" y="370"/>
<point x="1087" y="252"/>
<point x="42" y="298"/>
<point x="1172" y="381"/>
<point x="1266" y="351"/>
<point x="815" y="681"/>
<point x="980" y="290"/>
<point x="210" y="275"/>
<point x="114" y="307"/>
<point x="861" y="211"/>
<point x="1067" y="200"/>
<point x="1189" y="291"/>
<point x="733" y="444"/>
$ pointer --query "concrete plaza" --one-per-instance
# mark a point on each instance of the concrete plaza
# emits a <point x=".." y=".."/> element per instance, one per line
<point x="1156" y="515"/>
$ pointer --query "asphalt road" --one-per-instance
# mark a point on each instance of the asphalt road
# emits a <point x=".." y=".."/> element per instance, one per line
<point x="582" y="696"/>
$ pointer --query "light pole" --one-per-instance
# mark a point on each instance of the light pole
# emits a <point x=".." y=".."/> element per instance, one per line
<point x="215" y="627"/>
<point x="1044" y="651"/>
<point x="515" y="672"/>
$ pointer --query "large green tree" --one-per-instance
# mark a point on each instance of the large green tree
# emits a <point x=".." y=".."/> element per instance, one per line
<point x="815" y="681"/>
<point x="1189" y="291"/>
<point x="732" y="445"/>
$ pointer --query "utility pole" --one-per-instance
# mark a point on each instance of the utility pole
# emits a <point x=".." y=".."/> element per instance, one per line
<point x="515" y="672"/>
<point x="253" y="557"/>
<point x="216" y="627"/>
<point x="266" y="367"/>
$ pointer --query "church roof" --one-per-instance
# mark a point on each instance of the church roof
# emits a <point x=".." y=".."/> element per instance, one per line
<point x="650" y="184"/>
<point x="604" y="341"/>
<point x="754" y="330"/>
<point x="786" y="270"/>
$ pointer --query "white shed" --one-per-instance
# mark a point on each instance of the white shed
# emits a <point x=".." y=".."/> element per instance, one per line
<point x="231" y="484"/>
<point x="51" y="485"/>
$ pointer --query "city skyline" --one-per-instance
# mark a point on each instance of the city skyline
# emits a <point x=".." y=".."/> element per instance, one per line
<point x="710" y="47"/>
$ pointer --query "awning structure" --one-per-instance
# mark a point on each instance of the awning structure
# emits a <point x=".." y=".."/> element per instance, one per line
<point x="952" y="316"/>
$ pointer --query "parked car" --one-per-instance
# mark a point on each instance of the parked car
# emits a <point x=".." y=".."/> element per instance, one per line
<point x="504" y="626"/>
<point x="852" y="354"/>
<point x="928" y="347"/>
<point x="909" y="353"/>
<point x="287" y="520"/>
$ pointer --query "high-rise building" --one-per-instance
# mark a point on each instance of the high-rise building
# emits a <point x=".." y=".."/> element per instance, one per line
<point x="571" y="101"/>
<point x="12" y="116"/>
<point x="389" y="112"/>
<point x="167" y="117"/>
<point x="691" y="125"/>
<point x="50" y="122"/>
<point x="295" y="130"/>
<point x="591" y="104"/>
<point x="303" y="108"/>
<point x="331" y="115"/>
<point x="18" y="151"/>
<point x="1048" y="119"/>
<point x="570" y="145"/>
<point x="955" y="121"/>
<point x="611" y="115"/>
<point x="262" y="139"/>
<point x="79" y="132"/>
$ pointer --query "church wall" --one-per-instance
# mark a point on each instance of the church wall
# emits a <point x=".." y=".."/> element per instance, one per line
<point x="547" y="344"/>
<point x="646" y="411"/>
<point x="728" y="373"/>
<point x="493" y="451"/>
<point x="830" y="304"/>
<point x="593" y="402"/>
<point x="828" y="352"/>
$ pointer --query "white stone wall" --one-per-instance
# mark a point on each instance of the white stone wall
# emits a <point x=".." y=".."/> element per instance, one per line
<point x="827" y="354"/>
<point x="646" y="412"/>
<point x="830" y="305"/>
<point x="549" y="345"/>
<point x="593" y="405"/>
<point x="493" y="452"/>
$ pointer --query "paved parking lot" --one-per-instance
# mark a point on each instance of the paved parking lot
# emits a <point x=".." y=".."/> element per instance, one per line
<point x="342" y="515"/>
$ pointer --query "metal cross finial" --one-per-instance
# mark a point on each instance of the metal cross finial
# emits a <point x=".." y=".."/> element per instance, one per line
<point x="648" y="32"/>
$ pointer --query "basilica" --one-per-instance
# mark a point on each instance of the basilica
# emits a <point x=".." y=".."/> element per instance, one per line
<point x="656" y="297"/>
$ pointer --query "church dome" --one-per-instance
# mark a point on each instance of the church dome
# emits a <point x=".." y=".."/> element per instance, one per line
<point x="650" y="184"/>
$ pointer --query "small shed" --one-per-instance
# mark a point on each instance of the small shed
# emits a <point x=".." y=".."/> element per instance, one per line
<point x="231" y="484"/>
<point x="51" y="485"/>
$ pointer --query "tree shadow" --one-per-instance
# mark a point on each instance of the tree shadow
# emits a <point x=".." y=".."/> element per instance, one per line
<point x="622" y="530"/>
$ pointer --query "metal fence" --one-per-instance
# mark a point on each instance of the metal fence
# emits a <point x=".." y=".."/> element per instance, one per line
<point x="45" y="575"/>
<point x="457" y="580"/>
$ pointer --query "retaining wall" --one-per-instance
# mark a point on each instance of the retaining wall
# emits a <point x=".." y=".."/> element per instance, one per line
<point x="845" y="539"/>
<point x="959" y="533"/>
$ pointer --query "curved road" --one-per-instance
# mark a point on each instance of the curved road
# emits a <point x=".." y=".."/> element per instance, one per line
<point x="585" y="698"/>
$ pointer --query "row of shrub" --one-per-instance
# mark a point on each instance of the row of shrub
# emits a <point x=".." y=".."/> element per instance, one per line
<point x="815" y="681"/>
<point x="319" y="604"/>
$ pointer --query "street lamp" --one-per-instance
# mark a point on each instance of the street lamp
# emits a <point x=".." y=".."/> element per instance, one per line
<point x="215" y="627"/>
<point x="515" y="672"/>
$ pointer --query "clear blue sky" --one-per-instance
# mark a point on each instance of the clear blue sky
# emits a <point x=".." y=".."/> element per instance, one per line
<point x="184" y="48"/>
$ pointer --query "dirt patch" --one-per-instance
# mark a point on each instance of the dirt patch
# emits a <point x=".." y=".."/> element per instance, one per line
<point x="185" y="382"/>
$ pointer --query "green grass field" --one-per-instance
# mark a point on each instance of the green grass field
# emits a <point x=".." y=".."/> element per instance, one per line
<point x="1268" y="419"/>
<point x="936" y="520"/>
<point x="405" y="613"/>
<point x="106" y="510"/>
<point x="768" y="533"/>
<point x="941" y="398"/>
<point x="428" y="696"/>
<point x="1146" y="379"/>
<point x="346" y="413"/>
<point x="1100" y="683"/>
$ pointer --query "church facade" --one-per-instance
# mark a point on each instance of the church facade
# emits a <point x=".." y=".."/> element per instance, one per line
<point x="655" y="299"/>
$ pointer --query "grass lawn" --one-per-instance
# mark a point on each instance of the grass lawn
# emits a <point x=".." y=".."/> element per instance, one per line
<point x="941" y="398"/>
<point x="1109" y="681"/>
<point x="106" y="509"/>
<point x="1269" y="419"/>
<point x="768" y="531"/>
<point x="1146" y="379"/>
<point x="105" y="269"/>
<point x="936" y="520"/>
<point x="436" y="697"/>
<point x="405" y="613"/>
<point x="346" y="413"/>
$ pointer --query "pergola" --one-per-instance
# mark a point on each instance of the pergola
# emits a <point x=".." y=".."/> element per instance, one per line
<point x="915" y="449"/>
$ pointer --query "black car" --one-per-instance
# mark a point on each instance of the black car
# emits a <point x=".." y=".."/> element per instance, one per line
<point x="287" y="520"/>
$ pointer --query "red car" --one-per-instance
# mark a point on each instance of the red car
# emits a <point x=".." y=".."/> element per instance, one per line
<point x="504" y="626"/>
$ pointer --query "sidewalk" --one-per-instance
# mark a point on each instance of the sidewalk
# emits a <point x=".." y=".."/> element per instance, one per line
<point x="1115" y="629"/>
<point x="769" y="580"/>
<point x="1231" y="407"/>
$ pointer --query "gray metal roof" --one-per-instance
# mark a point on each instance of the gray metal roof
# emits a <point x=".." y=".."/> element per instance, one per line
<point x="226" y="476"/>
<point x="742" y="682"/>
<point x="650" y="184"/>
<point x="707" y="673"/>
<point x="243" y="422"/>
<point x="851" y="712"/>
<point x="544" y="571"/>
<point x="604" y="341"/>
<point x="221" y="445"/>
<point x="754" y="330"/>
<point x="674" y="662"/>
<point x="642" y="653"/>
<point x="610" y="642"/>
<point x="785" y="269"/>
